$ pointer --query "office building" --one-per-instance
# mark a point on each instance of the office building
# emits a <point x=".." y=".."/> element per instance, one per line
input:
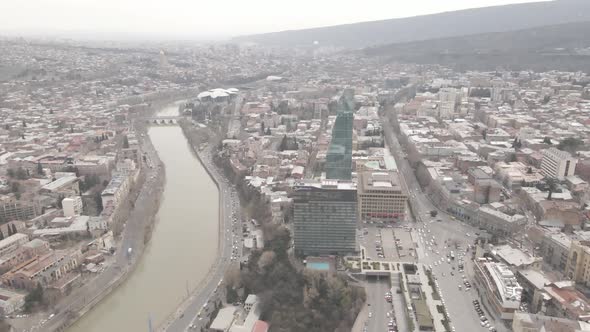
<point x="324" y="217"/>
<point x="497" y="285"/>
<point x="380" y="197"/>
<point x="339" y="156"/>
<point x="558" y="164"/>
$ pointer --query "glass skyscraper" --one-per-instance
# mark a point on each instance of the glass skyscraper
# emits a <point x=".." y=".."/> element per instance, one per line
<point x="339" y="156"/>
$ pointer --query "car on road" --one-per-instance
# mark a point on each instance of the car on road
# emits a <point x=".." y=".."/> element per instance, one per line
<point x="370" y="314"/>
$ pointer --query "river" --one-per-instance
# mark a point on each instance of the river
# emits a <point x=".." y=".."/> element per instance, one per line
<point x="182" y="247"/>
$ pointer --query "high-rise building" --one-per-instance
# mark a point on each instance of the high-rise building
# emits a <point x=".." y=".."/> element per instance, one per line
<point x="380" y="196"/>
<point x="558" y="164"/>
<point x="339" y="156"/>
<point x="324" y="218"/>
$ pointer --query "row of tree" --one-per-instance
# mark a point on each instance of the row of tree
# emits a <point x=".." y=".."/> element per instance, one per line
<point x="19" y="173"/>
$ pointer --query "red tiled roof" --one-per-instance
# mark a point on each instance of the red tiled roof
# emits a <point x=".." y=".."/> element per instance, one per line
<point x="260" y="326"/>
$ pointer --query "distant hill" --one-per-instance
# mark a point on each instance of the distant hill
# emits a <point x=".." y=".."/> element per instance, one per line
<point x="442" y="25"/>
<point x="565" y="47"/>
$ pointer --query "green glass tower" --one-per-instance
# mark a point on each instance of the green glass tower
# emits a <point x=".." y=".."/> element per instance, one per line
<point x="339" y="156"/>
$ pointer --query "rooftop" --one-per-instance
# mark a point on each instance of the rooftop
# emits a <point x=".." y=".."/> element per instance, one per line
<point x="506" y="284"/>
<point x="58" y="183"/>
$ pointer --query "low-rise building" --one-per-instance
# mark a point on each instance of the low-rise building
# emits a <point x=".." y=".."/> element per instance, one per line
<point x="12" y="242"/>
<point x="43" y="269"/>
<point x="10" y="302"/>
<point x="526" y="322"/>
<point x="565" y="301"/>
<point x="500" y="223"/>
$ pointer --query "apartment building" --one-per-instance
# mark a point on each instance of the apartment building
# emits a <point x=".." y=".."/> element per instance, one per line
<point x="18" y="210"/>
<point x="578" y="262"/>
<point x="558" y="164"/>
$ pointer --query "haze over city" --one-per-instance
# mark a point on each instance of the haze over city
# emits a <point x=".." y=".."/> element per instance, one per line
<point x="300" y="166"/>
<point x="186" y="19"/>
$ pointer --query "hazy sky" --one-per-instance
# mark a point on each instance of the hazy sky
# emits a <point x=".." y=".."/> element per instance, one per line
<point x="210" y="18"/>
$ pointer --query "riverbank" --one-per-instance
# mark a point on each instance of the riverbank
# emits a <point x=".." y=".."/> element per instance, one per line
<point x="139" y="223"/>
<point x="181" y="249"/>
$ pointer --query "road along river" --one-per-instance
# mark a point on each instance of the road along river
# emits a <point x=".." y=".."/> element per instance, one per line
<point x="182" y="247"/>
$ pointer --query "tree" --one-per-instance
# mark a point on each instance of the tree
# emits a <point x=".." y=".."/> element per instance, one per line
<point x="34" y="297"/>
<point x="547" y="140"/>
<point x="125" y="142"/>
<point x="283" y="145"/>
<point x="59" y="200"/>
<point x="512" y="157"/>
<point x="24" y="124"/>
<point x="231" y="295"/>
<point x="484" y="134"/>
<point x="14" y="187"/>
<point x="98" y="201"/>
<point x="11" y="173"/>
<point x="21" y="174"/>
<point x="262" y="127"/>
<point x="40" y="169"/>
<point x="570" y="144"/>
<point x="552" y="184"/>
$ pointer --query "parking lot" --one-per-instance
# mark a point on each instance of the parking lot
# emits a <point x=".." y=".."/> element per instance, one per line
<point x="388" y="243"/>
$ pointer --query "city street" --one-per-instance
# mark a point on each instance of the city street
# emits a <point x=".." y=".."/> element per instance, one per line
<point x="445" y="233"/>
<point x="376" y="288"/>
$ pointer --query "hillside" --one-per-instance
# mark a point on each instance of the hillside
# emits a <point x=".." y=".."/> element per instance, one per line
<point x="442" y="25"/>
<point x="543" y="48"/>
